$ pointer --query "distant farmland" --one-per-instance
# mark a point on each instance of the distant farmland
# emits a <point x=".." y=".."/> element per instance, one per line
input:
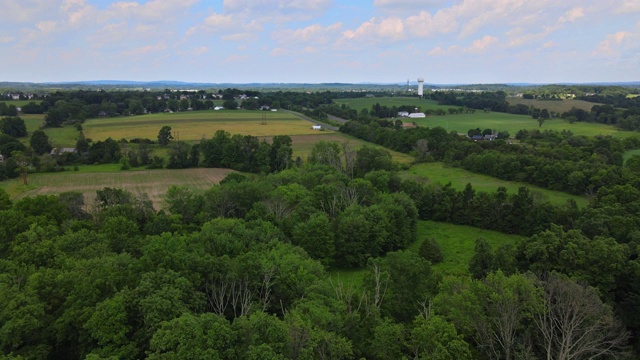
<point x="194" y="125"/>
<point x="558" y="106"/>
<point x="367" y="103"/>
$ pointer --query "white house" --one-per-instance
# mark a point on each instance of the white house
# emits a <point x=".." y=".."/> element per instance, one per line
<point x="316" y="127"/>
<point x="218" y="108"/>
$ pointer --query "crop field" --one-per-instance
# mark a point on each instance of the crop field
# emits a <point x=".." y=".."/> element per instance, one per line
<point x="457" y="243"/>
<point x="367" y="103"/>
<point x="195" y="125"/>
<point x="439" y="173"/>
<point x="558" y="106"/>
<point x="461" y="123"/>
<point x="152" y="182"/>
<point x="302" y="145"/>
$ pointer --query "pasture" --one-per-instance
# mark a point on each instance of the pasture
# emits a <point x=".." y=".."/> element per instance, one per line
<point x="367" y="103"/>
<point x="442" y="174"/>
<point x="195" y="125"/>
<point x="558" y="106"/>
<point x="461" y="123"/>
<point x="89" y="179"/>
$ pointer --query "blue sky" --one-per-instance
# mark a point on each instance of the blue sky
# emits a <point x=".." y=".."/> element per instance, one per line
<point x="314" y="41"/>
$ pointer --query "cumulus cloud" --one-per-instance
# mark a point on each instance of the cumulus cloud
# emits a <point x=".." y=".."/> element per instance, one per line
<point x="572" y="15"/>
<point x="144" y="50"/>
<point x="481" y="45"/>
<point x="316" y="34"/>
<point x="611" y="45"/>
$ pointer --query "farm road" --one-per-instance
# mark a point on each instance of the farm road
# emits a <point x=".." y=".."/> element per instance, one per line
<point x="303" y="117"/>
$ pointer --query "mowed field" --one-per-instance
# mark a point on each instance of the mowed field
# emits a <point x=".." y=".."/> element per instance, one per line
<point x="461" y="123"/>
<point x="558" y="106"/>
<point x="195" y="125"/>
<point x="152" y="182"/>
<point x="367" y="103"/>
<point x="459" y="178"/>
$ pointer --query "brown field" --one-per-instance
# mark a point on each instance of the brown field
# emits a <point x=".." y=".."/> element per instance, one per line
<point x="152" y="182"/>
<point x="558" y="106"/>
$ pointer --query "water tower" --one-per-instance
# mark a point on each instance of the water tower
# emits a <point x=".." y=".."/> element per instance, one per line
<point x="420" y="84"/>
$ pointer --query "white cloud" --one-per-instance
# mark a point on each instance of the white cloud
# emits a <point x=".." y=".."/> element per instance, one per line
<point x="481" y="45"/>
<point x="144" y="50"/>
<point x="315" y="33"/>
<point x="391" y="28"/>
<point x="611" y="45"/>
<point x="572" y="15"/>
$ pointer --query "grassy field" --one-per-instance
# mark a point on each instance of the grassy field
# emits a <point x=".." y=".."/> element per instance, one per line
<point x="197" y="124"/>
<point x="19" y="103"/>
<point x="439" y="173"/>
<point x="558" y="106"/>
<point x="367" y="103"/>
<point x="302" y="145"/>
<point x="91" y="178"/>
<point x="457" y="243"/>
<point x="630" y="153"/>
<point x="461" y="123"/>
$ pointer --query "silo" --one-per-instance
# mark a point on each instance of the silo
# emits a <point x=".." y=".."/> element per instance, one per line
<point x="420" y="84"/>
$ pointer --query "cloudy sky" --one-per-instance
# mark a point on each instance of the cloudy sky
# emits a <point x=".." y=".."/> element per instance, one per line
<point x="314" y="41"/>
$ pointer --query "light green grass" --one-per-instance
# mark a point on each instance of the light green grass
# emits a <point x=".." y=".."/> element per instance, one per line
<point x="303" y="144"/>
<point x="558" y="106"/>
<point x="367" y="103"/>
<point x="19" y="103"/>
<point x="630" y="153"/>
<point x="457" y="243"/>
<point x="461" y="123"/>
<point x="194" y="125"/>
<point x="442" y="174"/>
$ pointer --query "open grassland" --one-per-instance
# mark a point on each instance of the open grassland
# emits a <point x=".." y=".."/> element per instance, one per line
<point x="302" y="145"/>
<point x="457" y="243"/>
<point x="89" y="179"/>
<point x="630" y="153"/>
<point x="195" y="125"/>
<point x="558" y="106"/>
<point x="367" y="103"/>
<point x="461" y="123"/>
<point x="439" y="173"/>
<point x="19" y="103"/>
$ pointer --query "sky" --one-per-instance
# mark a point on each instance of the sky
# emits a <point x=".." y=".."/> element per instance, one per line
<point x="321" y="41"/>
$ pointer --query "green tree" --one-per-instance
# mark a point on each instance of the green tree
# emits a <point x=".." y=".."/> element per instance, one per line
<point x="179" y="156"/>
<point x="40" y="142"/>
<point x="184" y="105"/>
<point x="55" y="117"/>
<point x="430" y="250"/>
<point x="482" y="261"/>
<point x="316" y="237"/>
<point x="13" y="126"/>
<point x="164" y="136"/>
<point x="433" y="338"/>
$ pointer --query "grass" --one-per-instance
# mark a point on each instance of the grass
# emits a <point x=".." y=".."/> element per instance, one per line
<point x="457" y="243"/>
<point x="302" y="145"/>
<point x="196" y="125"/>
<point x="367" y="103"/>
<point x="19" y="103"/>
<point x="558" y="106"/>
<point x="91" y="178"/>
<point x="440" y="173"/>
<point x="628" y="154"/>
<point x="461" y="123"/>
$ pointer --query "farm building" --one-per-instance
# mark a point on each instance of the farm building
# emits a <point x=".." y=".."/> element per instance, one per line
<point x="316" y="127"/>
<point x="403" y="113"/>
<point x="416" y="115"/>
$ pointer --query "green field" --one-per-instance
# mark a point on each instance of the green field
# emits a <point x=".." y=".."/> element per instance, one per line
<point x="91" y="178"/>
<point x="558" y="106"/>
<point x="630" y="153"/>
<point x="302" y="145"/>
<point x="367" y="103"/>
<point x="461" y="123"/>
<point x="442" y="174"/>
<point x="457" y="243"/>
<point x="195" y="125"/>
<point x="19" y="103"/>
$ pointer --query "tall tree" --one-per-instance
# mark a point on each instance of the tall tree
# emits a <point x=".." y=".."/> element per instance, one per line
<point x="40" y="142"/>
<point x="164" y="136"/>
<point x="13" y="126"/>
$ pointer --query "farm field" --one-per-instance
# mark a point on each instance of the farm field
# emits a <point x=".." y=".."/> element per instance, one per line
<point x="461" y="123"/>
<point x="152" y="182"/>
<point x="367" y="103"/>
<point x="457" y="243"/>
<point x="195" y="125"/>
<point x="558" y="106"/>
<point x="19" y="103"/>
<point x="439" y="173"/>
<point x="302" y="145"/>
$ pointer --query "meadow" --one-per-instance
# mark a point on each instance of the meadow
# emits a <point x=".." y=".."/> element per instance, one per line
<point x="91" y="178"/>
<point x="558" y="106"/>
<point x="367" y="103"/>
<point x="442" y="174"/>
<point x="196" y="125"/>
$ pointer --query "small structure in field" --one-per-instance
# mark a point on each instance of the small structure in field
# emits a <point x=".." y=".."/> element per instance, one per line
<point x="416" y="115"/>
<point x="316" y="127"/>
<point x="403" y="114"/>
